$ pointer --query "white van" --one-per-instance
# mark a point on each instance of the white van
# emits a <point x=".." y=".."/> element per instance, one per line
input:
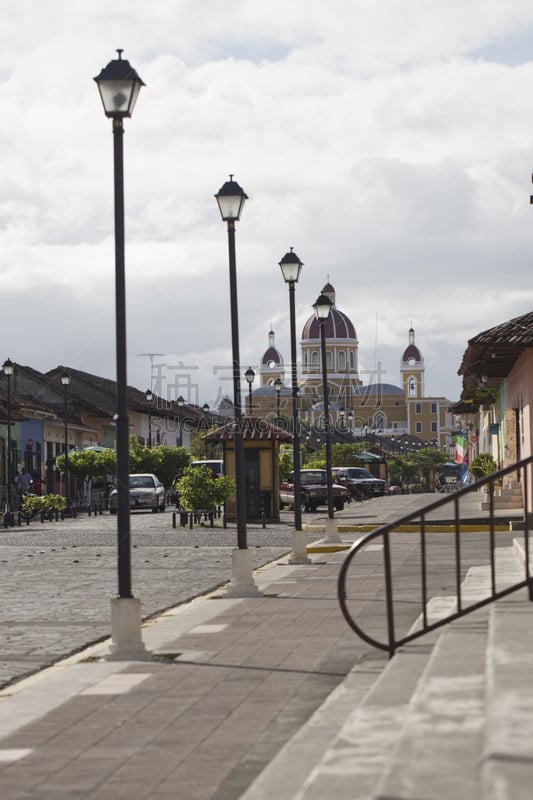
<point x="216" y="466"/>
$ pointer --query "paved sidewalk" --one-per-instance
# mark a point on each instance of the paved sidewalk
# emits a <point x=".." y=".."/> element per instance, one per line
<point x="230" y="682"/>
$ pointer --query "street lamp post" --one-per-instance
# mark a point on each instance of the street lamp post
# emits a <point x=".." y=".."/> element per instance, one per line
<point x="149" y="397"/>
<point x="9" y="371"/>
<point x="350" y="423"/>
<point x="322" y="308"/>
<point x="205" y="409"/>
<point x="180" y="402"/>
<point x="231" y="199"/>
<point x="291" y="268"/>
<point x="249" y="375"/>
<point x="278" y="386"/>
<point x="342" y="412"/>
<point x="119" y="86"/>
<point x="65" y="381"/>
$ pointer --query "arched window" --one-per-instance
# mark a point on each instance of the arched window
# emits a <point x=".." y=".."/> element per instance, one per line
<point x="411" y="387"/>
<point x="329" y="359"/>
<point x="314" y="359"/>
<point x="342" y="360"/>
<point x="352" y="359"/>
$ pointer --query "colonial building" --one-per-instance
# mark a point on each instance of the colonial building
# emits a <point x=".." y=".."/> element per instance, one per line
<point x="362" y="409"/>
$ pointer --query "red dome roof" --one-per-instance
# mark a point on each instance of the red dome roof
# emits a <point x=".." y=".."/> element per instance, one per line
<point x="272" y="355"/>
<point x="412" y="351"/>
<point x="338" y="326"/>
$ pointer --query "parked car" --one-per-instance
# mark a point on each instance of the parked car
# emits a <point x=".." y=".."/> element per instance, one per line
<point x="215" y="465"/>
<point x="313" y="491"/>
<point x="360" y="482"/>
<point x="146" y="491"/>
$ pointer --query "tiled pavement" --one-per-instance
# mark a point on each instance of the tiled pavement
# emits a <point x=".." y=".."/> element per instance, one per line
<point x="228" y="684"/>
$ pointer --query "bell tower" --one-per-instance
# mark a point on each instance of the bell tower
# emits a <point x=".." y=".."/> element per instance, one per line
<point x="412" y="369"/>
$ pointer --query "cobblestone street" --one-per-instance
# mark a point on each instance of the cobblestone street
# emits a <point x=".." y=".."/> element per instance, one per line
<point x="57" y="578"/>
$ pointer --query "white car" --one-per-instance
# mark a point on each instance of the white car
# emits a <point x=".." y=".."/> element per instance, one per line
<point x="146" y="491"/>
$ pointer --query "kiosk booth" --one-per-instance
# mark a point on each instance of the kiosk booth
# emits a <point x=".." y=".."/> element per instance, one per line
<point x="261" y="441"/>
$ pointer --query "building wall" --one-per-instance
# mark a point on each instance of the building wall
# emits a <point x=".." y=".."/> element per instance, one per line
<point x="520" y="399"/>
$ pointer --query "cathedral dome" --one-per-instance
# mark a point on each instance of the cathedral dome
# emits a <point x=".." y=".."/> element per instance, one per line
<point x="338" y="325"/>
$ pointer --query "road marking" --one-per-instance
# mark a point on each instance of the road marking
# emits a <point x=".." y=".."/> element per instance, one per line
<point x="117" y="684"/>
<point x="208" y="628"/>
<point x="15" y="754"/>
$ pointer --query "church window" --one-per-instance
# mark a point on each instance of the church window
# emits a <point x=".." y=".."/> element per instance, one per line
<point x="352" y="360"/>
<point x="305" y="360"/>
<point x="329" y="360"/>
<point x="412" y="387"/>
<point x="418" y="408"/>
<point x="342" y="360"/>
<point x="314" y="359"/>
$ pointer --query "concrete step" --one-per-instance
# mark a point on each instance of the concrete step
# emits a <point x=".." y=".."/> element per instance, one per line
<point x="446" y="720"/>
<point x="356" y="757"/>
<point x="425" y="713"/>
<point x="443" y="724"/>
<point x="507" y="757"/>
<point x="415" y="730"/>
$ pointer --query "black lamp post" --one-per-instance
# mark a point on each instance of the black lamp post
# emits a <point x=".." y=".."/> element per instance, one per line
<point x="119" y="86"/>
<point x="205" y="409"/>
<point x="291" y="267"/>
<point x="65" y="381"/>
<point x="180" y="403"/>
<point x="278" y="385"/>
<point x="231" y="199"/>
<point x="350" y="423"/>
<point x="322" y="308"/>
<point x="342" y="412"/>
<point x="149" y="397"/>
<point x="249" y="375"/>
<point x="9" y="371"/>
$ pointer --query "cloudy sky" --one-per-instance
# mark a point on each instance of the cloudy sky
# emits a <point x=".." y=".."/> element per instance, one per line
<point x="390" y="142"/>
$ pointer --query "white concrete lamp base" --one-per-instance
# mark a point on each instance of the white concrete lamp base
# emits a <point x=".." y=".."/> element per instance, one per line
<point x="299" y="548"/>
<point x="242" y="583"/>
<point x="332" y="532"/>
<point x="127" y="643"/>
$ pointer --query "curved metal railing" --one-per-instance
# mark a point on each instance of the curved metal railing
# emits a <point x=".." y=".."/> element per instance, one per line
<point x="524" y="475"/>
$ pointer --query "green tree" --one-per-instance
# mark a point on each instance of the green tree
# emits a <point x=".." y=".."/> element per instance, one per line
<point x="88" y="463"/>
<point x="342" y="455"/>
<point x="428" y="462"/>
<point x="161" y="460"/>
<point x="403" y="467"/>
<point x="285" y="466"/>
<point x="200" y="491"/>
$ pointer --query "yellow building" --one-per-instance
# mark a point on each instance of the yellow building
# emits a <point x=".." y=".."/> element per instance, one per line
<point x="363" y="410"/>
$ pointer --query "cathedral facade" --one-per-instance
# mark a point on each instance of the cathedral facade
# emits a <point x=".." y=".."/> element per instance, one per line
<point x="356" y="407"/>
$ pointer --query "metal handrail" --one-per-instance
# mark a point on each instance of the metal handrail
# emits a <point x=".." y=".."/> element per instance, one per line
<point x="384" y="531"/>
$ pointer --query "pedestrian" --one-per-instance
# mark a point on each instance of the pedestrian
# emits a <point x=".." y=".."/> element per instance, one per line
<point x="23" y="481"/>
<point x="37" y="482"/>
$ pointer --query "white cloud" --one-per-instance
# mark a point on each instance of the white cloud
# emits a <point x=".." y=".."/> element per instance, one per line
<point x="388" y="141"/>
